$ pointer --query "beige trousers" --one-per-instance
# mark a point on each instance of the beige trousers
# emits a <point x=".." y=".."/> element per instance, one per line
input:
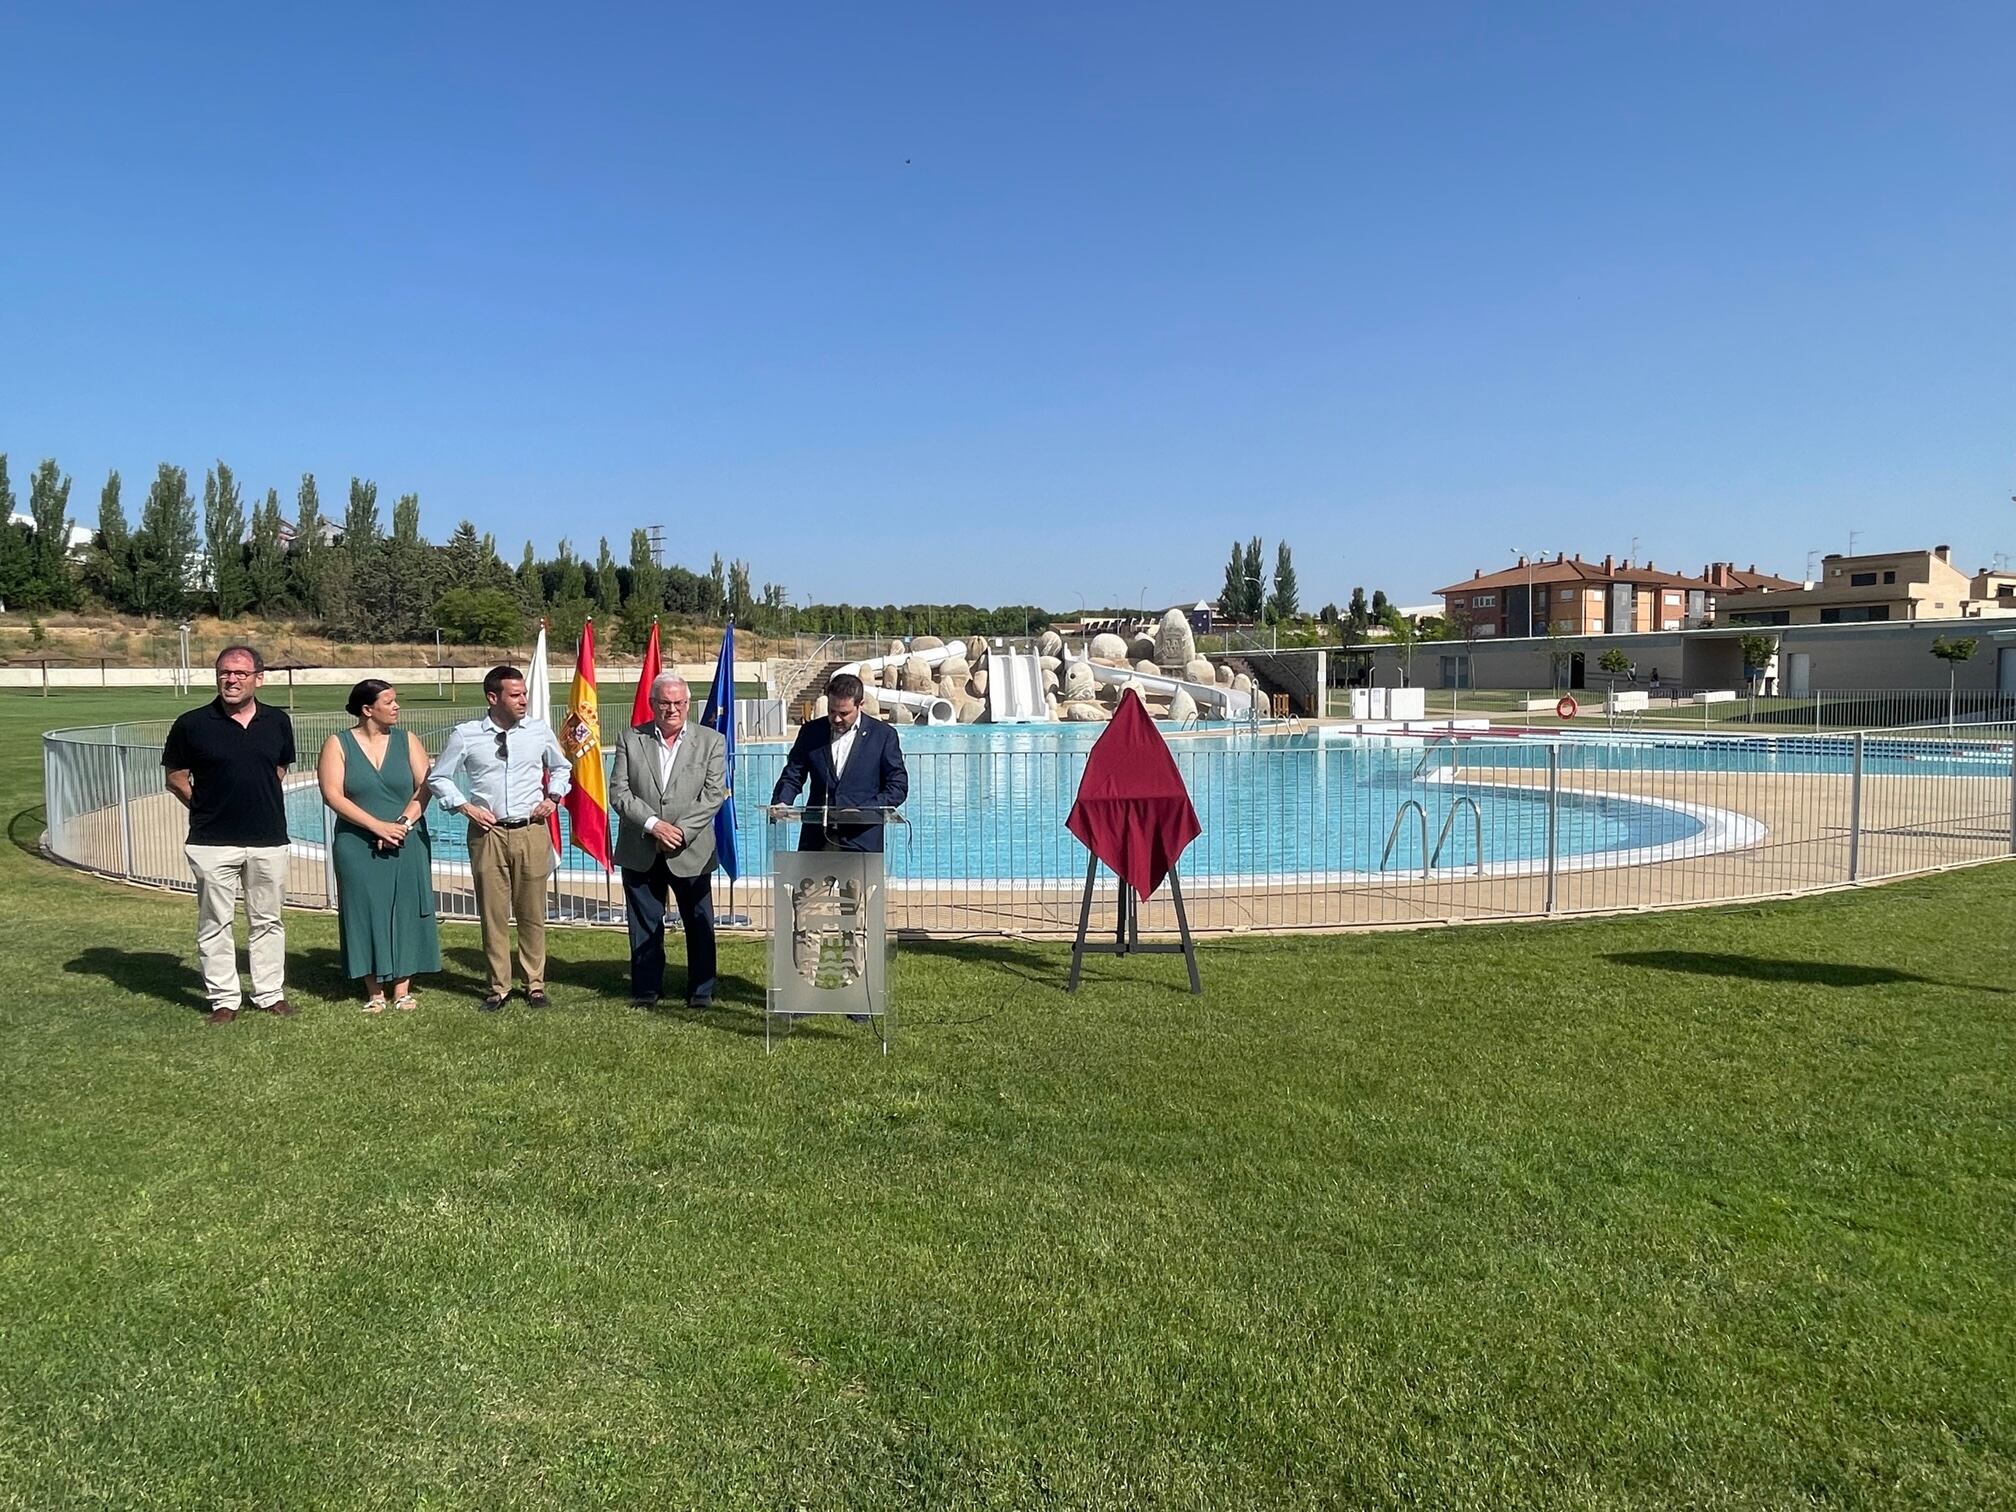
<point x="222" y="873"/>
<point x="511" y="867"/>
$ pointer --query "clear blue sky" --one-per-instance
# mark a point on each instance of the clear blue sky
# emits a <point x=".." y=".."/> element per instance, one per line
<point x="1032" y="302"/>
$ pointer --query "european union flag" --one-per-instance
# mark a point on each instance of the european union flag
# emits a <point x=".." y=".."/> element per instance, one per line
<point x="720" y="715"/>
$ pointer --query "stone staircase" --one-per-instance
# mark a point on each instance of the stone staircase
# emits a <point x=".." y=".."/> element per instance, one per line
<point x="1274" y="699"/>
<point x="798" y="701"/>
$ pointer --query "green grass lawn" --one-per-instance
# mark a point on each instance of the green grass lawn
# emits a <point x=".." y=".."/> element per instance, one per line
<point x="1707" y="1209"/>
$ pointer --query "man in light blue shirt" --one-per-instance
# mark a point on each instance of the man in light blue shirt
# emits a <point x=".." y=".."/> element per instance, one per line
<point x="506" y="774"/>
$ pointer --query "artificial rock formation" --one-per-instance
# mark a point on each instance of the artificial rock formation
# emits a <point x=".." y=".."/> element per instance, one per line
<point x="1175" y="646"/>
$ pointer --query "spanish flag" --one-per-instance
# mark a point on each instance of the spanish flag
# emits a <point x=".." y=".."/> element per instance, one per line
<point x="587" y="801"/>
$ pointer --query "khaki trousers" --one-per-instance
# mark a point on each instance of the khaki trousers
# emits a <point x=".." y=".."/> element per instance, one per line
<point x="222" y="873"/>
<point x="511" y="867"/>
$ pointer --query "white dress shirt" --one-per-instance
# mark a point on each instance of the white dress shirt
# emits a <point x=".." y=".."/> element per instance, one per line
<point x="668" y="752"/>
<point x="843" y="747"/>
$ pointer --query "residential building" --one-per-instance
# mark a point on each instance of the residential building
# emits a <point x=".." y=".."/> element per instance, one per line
<point x="1881" y="586"/>
<point x="1568" y="596"/>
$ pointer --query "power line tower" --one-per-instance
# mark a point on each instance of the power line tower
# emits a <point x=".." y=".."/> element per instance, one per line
<point x="655" y="534"/>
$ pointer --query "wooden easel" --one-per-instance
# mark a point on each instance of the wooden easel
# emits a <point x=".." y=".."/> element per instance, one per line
<point x="1127" y="929"/>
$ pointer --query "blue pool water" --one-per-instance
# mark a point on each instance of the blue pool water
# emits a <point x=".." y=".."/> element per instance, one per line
<point x="989" y="803"/>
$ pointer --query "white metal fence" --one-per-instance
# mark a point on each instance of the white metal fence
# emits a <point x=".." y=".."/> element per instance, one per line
<point x="1300" y="832"/>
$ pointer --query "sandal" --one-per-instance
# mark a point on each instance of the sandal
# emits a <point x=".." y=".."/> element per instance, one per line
<point x="406" y="1002"/>
<point x="375" y="1004"/>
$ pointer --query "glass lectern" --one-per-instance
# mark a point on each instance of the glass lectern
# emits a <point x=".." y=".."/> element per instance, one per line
<point x="831" y="948"/>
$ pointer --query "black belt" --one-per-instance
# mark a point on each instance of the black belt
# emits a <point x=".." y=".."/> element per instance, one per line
<point x="513" y="823"/>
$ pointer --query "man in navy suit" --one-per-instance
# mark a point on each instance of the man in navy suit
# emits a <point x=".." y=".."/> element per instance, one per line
<point x="852" y="763"/>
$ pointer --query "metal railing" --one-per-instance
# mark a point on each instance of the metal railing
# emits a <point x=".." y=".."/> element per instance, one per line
<point x="1293" y="824"/>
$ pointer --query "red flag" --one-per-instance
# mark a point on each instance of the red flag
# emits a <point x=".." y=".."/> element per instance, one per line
<point x="587" y="801"/>
<point x="641" y="711"/>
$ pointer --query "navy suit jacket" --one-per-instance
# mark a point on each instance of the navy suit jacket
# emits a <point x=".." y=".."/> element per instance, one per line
<point x="875" y="778"/>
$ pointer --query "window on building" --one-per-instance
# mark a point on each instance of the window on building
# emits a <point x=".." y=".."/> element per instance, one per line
<point x="2005" y="590"/>
<point x="1889" y="577"/>
<point x="1863" y="579"/>
<point x="1672" y="601"/>
<point x="1484" y="601"/>
<point x="1855" y="614"/>
<point x="1671" y="624"/>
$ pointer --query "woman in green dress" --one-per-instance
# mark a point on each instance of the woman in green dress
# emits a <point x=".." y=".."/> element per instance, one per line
<point x="374" y="776"/>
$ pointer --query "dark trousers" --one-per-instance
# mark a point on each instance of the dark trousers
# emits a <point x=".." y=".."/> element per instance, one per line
<point x="644" y="902"/>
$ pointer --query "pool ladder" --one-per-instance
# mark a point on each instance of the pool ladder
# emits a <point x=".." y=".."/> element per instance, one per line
<point x="1442" y="839"/>
<point x="1435" y="744"/>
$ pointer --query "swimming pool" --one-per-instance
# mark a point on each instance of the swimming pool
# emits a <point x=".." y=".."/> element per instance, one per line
<point x="988" y="804"/>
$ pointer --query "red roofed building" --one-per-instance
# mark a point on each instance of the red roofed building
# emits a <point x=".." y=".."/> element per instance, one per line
<point x="1572" y="597"/>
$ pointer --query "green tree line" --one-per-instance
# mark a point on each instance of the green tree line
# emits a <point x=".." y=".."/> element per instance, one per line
<point x="345" y="570"/>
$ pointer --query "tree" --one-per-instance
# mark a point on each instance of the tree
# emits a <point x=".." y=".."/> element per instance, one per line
<point x="1253" y="582"/>
<point x="531" y="588"/>
<point x="647" y="593"/>
<point x="1232" y="597"/>
<point x="1358" y="615"/>
<point x="164" y="547"/>
<point x="480" y="616"/>
<point x="108" y="570"/>
<point x="48" y="505"/>
<point x="16" y="566"/>
<point x="265" y="566"/>
<point x="319" y="579"/>
<point x="1560" y="659"/>
<point x="470" y="560"/>
<point x="224" y="537"/>
<point x="714" y="590"/>
<point x="608" y="588"/>
<point x="1616" y="663"/>
<point x="405" y="602"/>
<point x="1953" y="652"/>
<point x="1406" y="634"/>
<point x="1285" y="604"/>
<point x="740" y="599"/>
<point x="1380" y="604"/>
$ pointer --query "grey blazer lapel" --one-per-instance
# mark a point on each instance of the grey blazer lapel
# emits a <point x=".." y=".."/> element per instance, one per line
<point x="644" y="768"/>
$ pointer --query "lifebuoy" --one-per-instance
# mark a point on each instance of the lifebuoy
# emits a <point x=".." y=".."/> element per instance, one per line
<point x="1566" y="708"/>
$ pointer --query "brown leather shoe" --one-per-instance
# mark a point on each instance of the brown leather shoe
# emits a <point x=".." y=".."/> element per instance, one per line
<point x="221" y="1015"/>
<point x="279" y="1008"/>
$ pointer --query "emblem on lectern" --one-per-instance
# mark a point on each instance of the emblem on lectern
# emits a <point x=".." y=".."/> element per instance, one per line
<point x="829" y="942"/>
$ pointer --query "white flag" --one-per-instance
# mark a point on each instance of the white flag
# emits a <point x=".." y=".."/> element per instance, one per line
<point x="539" y="706"/>
<point x="538" y="686"/>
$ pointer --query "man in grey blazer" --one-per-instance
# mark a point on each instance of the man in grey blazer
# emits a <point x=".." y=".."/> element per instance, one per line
<point x="669" y="780"/>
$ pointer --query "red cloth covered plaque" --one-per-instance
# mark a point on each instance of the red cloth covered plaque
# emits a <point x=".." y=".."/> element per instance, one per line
<point x="1132" y="810"/>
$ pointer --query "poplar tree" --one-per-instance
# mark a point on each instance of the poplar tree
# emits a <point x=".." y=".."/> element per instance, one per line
<point x="164" y="547"/>
<point x="608" y="587"/>
<point x="266" y="567"/>
<point x="224" y="538"/>
<point x="108" y="570"/>
<point x="16" y="565"/>
<point x="49" y="552"/>
<point x="1285" y="604"/>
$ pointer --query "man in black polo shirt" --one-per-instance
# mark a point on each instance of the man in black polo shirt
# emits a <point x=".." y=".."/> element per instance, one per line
<point x="225" y="761"/>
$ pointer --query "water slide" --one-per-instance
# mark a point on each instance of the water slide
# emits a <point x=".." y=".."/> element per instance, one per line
<point x="1015" y="689"/>
<point x="937" y="710"/>
<point x="1230" y="703"/>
